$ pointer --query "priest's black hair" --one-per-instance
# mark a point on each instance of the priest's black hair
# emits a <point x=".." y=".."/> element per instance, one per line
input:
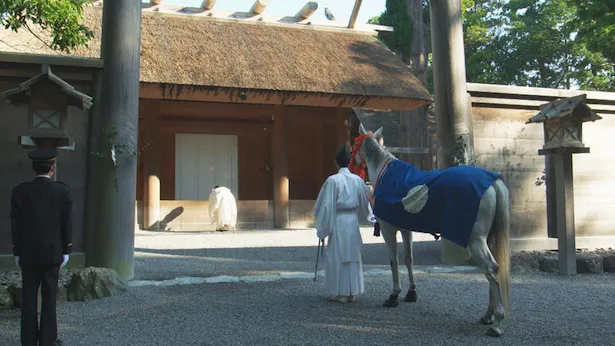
<point x="342" y="157"/>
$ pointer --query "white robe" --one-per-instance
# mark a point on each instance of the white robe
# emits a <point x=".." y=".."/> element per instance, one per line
<point x="342" y="202"/>
<point x="222" y="208"/>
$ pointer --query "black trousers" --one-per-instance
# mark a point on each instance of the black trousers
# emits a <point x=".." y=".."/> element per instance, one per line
<point x="45" y="276"/>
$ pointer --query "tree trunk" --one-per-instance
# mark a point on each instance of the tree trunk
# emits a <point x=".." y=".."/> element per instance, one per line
<point x="117" y="172"/>
<point x="453" y="113"/>
<point x="418" y="50"/>
<point x="413" y="124"/>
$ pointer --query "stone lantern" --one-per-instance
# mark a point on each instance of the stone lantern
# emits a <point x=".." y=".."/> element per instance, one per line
<point x="48" y="98"/>
<point x="563" y="134"/>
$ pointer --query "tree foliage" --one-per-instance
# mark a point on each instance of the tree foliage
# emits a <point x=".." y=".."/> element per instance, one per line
<point x="61" y="18"/>
<point x="540" y="43"/>
<point x="396" y="15"/>
<point x="596" y="20"/>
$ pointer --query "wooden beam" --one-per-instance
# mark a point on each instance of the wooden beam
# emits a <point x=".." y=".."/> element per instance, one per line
<point x="52" y="60"/>
<point x="355" y="14"/>
<point x="151" y="178"/>
<point x="208" y="4"/>
<point x="279" y="156"/>
<point x="259" y="6"/>
<point x="230" y="95"/>
<point x="307" y="10"/>
<point x="211" y="127"/>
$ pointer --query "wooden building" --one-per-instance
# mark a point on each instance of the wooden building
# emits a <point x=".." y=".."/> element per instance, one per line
<point x="259" y="106"/>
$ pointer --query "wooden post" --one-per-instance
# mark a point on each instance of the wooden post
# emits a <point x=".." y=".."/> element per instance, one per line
<point x="259" y="6"/>
<point x="551" y="193"/>
<point x="281" y="215"/>
<point x="116" y="182"/>
<point x="355" y="14"/>
<point x="93" y="164"/>
<point x="564" y="203"/>
<point x="342" y="122"/>
<point x="208" y="4"/>
<point x="307" y="10"/>
<point x="453" y="122"/>
<point x="151" y="181"/>
<point x="561" y="202"/>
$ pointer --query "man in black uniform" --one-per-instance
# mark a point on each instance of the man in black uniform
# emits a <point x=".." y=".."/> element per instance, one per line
<point x="41" y="218"/>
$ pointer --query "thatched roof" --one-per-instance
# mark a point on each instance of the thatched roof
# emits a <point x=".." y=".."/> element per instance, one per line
<point x="201" y="51"/>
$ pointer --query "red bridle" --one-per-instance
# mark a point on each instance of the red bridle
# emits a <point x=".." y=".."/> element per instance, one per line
<point x="354" y="167"/>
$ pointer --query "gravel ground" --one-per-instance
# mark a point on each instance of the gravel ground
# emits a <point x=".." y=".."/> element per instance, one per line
<point x="547" y="309"/>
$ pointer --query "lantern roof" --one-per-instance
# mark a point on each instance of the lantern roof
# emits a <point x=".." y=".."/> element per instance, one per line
<point x="23" y="93"/>
<point x="573" y="107"/>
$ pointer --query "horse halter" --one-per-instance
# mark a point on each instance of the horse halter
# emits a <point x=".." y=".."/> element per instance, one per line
<point x="354" y="167"/>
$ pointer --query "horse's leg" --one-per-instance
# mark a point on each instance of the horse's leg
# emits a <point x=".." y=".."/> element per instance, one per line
<point x="483" y="257"/>
<point x="408" y="258"/>
<point x="389" y="233"/>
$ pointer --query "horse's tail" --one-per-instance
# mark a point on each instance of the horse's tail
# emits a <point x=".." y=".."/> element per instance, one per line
<point x="500" y="234"/>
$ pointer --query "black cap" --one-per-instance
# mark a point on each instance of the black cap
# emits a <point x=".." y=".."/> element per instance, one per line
<point x="43" y="155"/>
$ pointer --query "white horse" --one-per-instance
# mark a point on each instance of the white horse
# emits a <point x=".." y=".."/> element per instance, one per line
<point x="492" y="221"/>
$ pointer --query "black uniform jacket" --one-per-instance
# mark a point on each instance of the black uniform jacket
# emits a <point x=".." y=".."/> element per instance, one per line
<point x="41" y="218"/>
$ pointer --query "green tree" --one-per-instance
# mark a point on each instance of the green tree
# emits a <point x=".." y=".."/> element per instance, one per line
<point x="596" y="20"/>
<point x="533" y="43"/>
<point x="61" y="18"/>
<point x="396" y="15"/>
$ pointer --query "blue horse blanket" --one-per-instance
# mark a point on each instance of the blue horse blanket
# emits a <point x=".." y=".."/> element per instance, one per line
<point x="440" y="201"/>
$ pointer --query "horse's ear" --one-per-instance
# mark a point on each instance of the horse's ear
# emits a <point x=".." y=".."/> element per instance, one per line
<point x="378" y="133"/>
<point x="362" y="130"/>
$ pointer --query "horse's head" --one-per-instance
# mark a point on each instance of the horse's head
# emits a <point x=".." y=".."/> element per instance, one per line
<point x="358" y="157"/>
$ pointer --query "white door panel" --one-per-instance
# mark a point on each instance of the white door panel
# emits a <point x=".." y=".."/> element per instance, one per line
<point x="203" y="161"/>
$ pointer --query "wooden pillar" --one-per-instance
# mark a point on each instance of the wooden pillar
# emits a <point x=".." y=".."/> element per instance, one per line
<point x="564" y="204"/>
<point x="343" y="119"/>
<point x="93" y="164"/>
<point x="116" y="176"/>
<point x="354" y="14"/>
<point x="281" y="214"/>
<point x="453" y="121"/>
<point x="151" y="181"/>
<point x="560" y="204"/>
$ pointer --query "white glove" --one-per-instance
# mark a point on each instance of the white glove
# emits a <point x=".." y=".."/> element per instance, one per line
<point x="65" y="256"/>
<point x="17" y="260"/>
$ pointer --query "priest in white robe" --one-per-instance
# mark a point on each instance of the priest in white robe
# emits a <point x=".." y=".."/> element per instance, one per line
<point x="341" y="206"/>
<point x="222" y="209"/>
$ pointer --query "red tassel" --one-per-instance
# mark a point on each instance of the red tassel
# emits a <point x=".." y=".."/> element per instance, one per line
<point x="360" y="170"/>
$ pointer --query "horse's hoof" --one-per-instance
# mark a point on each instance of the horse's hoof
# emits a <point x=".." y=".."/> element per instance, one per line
<point x="486" y="320"/>
<point x="495" y="332"/>
<point x="411" y="297"/>
<point x="391" y="302"/>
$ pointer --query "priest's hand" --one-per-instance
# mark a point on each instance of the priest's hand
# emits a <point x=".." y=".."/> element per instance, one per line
<point x="64" y="261"/>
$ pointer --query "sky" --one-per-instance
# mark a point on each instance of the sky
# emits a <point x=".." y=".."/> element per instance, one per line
<point x="341" y="8"/>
